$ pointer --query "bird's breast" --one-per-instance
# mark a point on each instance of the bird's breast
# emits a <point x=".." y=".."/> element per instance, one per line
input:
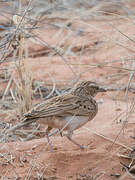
<point x="74" y="122"/>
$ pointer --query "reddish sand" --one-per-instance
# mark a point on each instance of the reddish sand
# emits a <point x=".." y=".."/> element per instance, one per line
<point x="100" y="160"/>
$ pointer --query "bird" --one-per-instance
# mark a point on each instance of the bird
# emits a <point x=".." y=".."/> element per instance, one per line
<point x="66" y="112"/>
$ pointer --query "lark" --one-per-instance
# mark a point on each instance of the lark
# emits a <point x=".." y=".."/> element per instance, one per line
<point x="66" y="112"/>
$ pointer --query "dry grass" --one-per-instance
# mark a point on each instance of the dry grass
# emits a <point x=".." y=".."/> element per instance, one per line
<point x="27" y="23"/>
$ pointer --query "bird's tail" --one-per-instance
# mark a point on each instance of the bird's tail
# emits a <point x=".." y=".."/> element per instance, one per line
<point x="25" y="122"/>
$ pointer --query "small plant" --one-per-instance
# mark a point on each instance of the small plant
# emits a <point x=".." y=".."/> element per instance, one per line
<point x="23" y="79"/>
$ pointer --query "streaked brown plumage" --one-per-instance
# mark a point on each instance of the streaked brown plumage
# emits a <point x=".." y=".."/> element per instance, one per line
<point x="68" y="111"/>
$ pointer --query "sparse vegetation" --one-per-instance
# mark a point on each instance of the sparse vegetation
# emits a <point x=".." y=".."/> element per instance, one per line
<point x="47" y="46"/>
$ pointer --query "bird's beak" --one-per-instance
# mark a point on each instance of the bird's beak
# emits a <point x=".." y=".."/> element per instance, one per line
<point x="102" y="89"/>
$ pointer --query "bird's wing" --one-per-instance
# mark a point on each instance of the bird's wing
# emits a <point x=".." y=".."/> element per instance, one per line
<point x="62" y="105"/>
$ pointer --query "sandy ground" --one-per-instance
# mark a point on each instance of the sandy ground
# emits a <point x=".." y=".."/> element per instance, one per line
<point x="101" y="160"/>
<point x="33" y="159"/>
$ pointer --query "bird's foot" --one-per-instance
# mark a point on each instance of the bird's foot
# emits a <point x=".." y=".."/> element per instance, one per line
<point x="77" y="144"/>
<point x="50" y="148"/>
<point x="83" y="147"/>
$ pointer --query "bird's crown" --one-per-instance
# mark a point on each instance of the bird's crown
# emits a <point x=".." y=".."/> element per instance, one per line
<point x="87" y="88"/>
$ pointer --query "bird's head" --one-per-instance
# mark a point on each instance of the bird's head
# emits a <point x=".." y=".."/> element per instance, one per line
<point x="87" y="88"/>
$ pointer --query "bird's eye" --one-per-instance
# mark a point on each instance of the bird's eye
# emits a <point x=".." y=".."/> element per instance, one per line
<point x="96" y="88"/>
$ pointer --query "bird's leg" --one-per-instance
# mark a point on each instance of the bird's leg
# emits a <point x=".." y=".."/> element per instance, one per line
<point x="56" y="131"/>
<point x="69" y="136"/>
<point x="47" y="132"/>
<point x="61" y="133"/>
<point x="53" y="132"/>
